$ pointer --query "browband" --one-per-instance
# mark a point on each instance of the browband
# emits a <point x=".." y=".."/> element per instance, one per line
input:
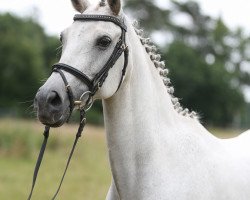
<point x="106" y="18"/>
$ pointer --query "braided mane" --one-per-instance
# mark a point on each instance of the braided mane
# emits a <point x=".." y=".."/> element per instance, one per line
<point x="155" y="57"/>
<point x="152" y="50"/>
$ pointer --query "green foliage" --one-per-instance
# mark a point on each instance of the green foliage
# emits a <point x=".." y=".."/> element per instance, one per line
<point x="95" y="116"/>
<point x="205" y="59"/>
<point x="245" y="116"/>
<point x="206" y="88"/>
<point x="140" y="8"/>
<point x="24" y="54"/>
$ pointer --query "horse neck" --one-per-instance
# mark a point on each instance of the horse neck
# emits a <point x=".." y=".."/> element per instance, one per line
<point x="142" y="105"/>
<point x="141" y="121"/>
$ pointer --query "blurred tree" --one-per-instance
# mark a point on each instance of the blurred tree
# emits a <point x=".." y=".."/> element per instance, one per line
<point x="206" y="58"/>
<point x="208" y="61"/>
<point x="140" y="10"/>
<point x="24" y="54"/>
<point x="203" y="88"/>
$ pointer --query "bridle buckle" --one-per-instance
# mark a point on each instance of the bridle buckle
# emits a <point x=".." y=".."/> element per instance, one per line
<point x="83" y="120"/>
<point x="124" y="47"/>
<point x="67" y="87"/>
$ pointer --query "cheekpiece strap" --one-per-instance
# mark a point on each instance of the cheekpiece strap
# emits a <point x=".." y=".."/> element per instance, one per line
<point x="107" y="18"/>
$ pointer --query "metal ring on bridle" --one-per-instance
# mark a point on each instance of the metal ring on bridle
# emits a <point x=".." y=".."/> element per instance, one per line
<point x="89" y="102"/>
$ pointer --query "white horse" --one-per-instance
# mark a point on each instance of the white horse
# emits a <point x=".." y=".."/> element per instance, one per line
<point x="157" y="150"/>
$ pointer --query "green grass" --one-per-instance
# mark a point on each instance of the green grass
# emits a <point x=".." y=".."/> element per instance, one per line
<point x="88" y="176"/>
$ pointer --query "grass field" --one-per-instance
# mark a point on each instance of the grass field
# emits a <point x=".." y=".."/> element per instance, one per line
<point x="88" y="177"/>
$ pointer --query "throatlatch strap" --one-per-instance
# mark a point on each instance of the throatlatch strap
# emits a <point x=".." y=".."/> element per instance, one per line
<point x="126" y="53"/>
<point x="39" y="159"/>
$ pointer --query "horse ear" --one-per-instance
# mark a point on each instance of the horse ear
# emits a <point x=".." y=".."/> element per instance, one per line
<point x="115" y="6"/>
<point x="80" y="5"/>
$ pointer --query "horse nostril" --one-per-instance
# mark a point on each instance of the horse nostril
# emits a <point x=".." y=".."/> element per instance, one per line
<point x="54" y="99"/>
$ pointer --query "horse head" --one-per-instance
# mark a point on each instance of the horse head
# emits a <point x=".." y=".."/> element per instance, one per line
<point x="91" y="65"/>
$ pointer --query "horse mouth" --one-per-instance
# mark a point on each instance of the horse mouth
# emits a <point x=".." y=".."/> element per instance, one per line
<point x="52" y="119"/>
<point x="52" y="123"/>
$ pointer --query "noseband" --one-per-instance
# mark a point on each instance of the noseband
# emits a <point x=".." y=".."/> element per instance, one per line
<point x="93" y="86"/>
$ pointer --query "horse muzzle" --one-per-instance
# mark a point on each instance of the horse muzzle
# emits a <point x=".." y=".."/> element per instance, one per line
<point x="51" y="107"/>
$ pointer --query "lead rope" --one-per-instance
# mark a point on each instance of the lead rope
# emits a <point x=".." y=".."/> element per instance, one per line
<point x="78" y="135"/>
<point x="43" y="147"/>
<point x="39" y="159"/>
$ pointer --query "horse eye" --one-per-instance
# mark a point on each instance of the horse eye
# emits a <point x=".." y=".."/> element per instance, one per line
<point x="104" y="41"/>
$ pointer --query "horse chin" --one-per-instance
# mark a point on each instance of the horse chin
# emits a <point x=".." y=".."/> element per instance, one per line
<point x="54" y="125"/>
<point x="55" y="121"/>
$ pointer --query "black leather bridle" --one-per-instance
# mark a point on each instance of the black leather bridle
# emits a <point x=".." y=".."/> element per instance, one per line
<point x="93" y="86"/>
<point x="97" y="82"/>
